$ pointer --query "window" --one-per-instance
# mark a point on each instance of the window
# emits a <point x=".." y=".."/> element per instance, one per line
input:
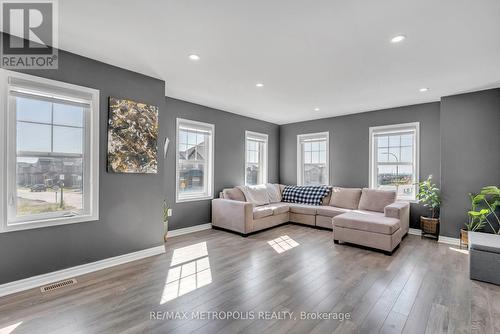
<point x="194" y="153"/>
<point x="255" y="158"/>
<point x="312" y="159"/>
<point x="51" y="149"/>
<point x="394" y="155"/>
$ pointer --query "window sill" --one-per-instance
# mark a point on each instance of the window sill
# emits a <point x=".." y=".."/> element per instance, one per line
<point x="20" y="226"/>
<point x="193" y="199"/>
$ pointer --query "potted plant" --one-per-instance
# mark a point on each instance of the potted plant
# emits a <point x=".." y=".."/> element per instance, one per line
<point x="167" y="212"/>
<point x="429" y="196"/>
<point x="484" y="206"/>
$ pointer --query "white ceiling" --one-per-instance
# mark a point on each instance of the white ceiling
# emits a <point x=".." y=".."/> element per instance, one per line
<point x="331" y="54"/>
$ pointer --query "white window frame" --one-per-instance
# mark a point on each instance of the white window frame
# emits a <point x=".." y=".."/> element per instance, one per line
<point x="264" y="156"/>
<point x="209" y="193"/>
<point x="51" y="89"/>
<point x="300" y="158"/>
<point x="391" y="129"/>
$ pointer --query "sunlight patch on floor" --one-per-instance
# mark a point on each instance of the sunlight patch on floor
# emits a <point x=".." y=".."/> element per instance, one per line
<point x="459" y="250"/>
<point x="282" y="244"/>
<point x="189" y="270"/>
<point x="10" y="329"/>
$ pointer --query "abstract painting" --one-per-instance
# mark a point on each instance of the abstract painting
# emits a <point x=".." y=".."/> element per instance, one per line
<point x="132" y="137"/>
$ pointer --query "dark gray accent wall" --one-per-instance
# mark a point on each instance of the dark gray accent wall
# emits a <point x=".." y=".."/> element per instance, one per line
<point x="470" y="146"/>
<point x="229" y="163"/>
<point x="349" y="145"/>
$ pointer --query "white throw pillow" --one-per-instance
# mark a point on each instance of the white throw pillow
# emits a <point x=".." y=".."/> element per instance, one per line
<point x="274" y="193"/>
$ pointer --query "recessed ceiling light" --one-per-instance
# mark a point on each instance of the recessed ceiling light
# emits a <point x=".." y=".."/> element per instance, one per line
<point x="194" y="57"/>
<point x="398" y="38"/>
<point x="259" y="84"/>
<point x="423" y="89"/>
<point x="316" y="109"/>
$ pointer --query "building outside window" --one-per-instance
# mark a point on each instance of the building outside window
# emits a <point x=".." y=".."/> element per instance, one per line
<point x="313" y="159"/>
<point x="52" y="152"/>
<point x="394" y="152"/>
<point x="255" y="158"/>
<point x="194" y="151"/>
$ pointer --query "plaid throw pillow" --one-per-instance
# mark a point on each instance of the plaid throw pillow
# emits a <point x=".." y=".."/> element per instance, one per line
<point x="305" y="194"/>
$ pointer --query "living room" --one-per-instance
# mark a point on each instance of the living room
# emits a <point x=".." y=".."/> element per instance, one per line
<point x="252" y="167"/>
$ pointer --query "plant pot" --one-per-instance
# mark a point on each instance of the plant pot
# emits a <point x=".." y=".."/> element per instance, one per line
<point x="429" y="226"/>
<point x="464" y="237"/>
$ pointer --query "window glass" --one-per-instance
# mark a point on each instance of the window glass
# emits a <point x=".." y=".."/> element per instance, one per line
<point x="256" y="158"/>
<point x="313" y="161"/>
<point x="194" y="163"/>
<point x="49" y="157"/>
<point x="394" y="165"/>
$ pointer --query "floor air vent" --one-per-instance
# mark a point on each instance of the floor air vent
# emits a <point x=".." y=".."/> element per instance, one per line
<point x="58" y="285"/>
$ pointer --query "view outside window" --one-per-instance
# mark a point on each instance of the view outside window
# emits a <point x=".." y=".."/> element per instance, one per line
<point x="313" y="166"/>
<point x="194" y="160"/>
<point x="49" y="151"/>
<point x="395" y="166"/>
<point x="256" y="158"/>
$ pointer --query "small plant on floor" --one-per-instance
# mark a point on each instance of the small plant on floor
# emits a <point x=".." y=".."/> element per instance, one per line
<point x="429" y="196"/>
<point x="484" y="210"/>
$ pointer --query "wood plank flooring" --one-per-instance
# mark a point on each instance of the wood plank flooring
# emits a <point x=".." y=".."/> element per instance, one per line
<point x="423" y="288"/>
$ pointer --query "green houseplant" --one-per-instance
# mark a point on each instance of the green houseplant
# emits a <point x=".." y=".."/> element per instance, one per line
<point x="483" y="212"/>
<point x="484" y="208"/>
<point x="429" y="196"/>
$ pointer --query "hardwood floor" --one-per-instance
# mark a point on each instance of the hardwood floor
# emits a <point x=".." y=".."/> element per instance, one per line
<point x="423" y="288"/>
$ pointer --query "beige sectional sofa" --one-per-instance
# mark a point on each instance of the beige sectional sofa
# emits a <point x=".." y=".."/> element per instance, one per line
<point x="366" y="217"/>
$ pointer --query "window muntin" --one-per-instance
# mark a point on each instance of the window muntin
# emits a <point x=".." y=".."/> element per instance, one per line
<point x="51" y="153"/>
<point x="255" y="158"/>
<point x="394" y="159"/>
<point x="312" y="159"/>
<point x="194" y="160"/>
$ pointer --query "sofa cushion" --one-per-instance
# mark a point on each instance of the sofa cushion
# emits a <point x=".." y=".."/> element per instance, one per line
<point x="347" y="198"/>
<point x="373" y="213"/>
<point x="234" y="194"/>
<point x="330" y="211"/>
<point x="279" y="208"/>
<point x="326" y="199"/>
<point x="367" y="222"/>
<point x="376" y="200"/>
<point x="262" y="211"/>
<point x="274" y="192"/>
<point x="304" y="209"/>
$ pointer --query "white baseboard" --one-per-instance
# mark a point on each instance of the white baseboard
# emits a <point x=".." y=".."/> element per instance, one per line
<point x="449" y="241"/>
<point x="40" y="280"/>
<point x="187" y="230"/>
<point x="415" y="231"/>
<point x="442" y="239"/>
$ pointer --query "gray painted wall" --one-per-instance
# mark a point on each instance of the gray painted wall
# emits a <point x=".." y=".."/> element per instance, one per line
<point x="229" y="156"/>
<point x="130" y="205"/>
<point x="130" y="214"/>
<point x="470" y="146"/>
<point x="349" y="145"/>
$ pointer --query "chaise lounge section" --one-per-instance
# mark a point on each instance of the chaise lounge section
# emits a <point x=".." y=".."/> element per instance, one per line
<point x="366" y="217"/>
